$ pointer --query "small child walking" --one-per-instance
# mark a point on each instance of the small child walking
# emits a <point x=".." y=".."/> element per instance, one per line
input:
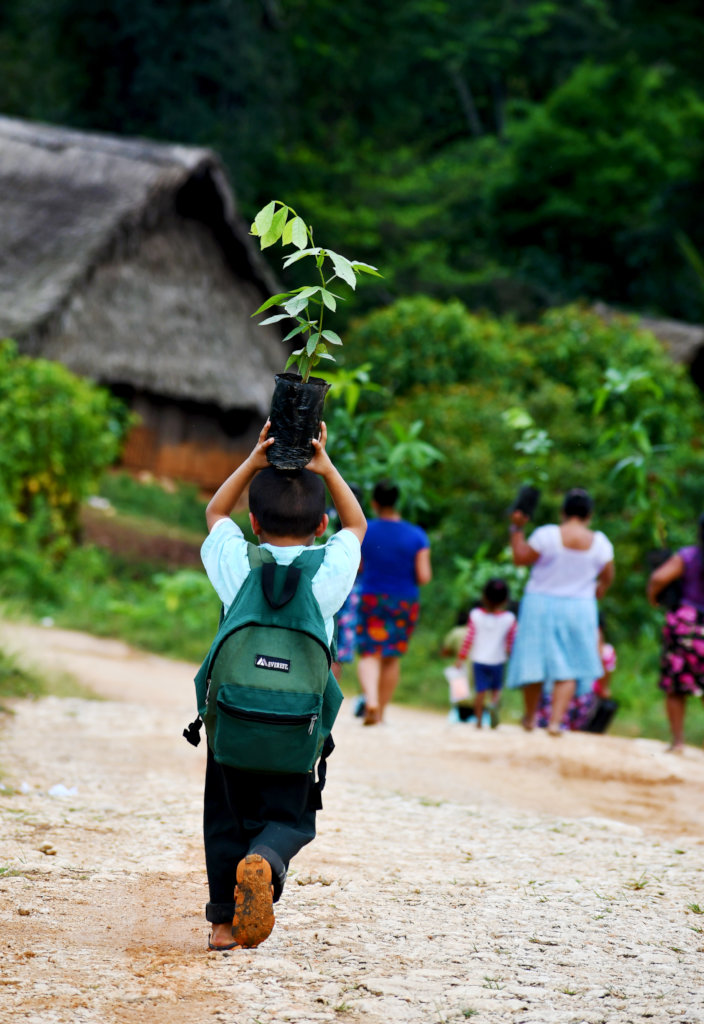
<point x="255" y="822"/>
<point x="491" y="630"/>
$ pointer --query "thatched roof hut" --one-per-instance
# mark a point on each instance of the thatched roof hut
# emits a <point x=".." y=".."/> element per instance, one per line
<point x="126" y="260"/>
<point x="683" y="342"/>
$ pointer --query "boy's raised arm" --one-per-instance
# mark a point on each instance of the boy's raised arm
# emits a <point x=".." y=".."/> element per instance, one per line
<point x="228" y="494"/>
<point x="348" y="508"/>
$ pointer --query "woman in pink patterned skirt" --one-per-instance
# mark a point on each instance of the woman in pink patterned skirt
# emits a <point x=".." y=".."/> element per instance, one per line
<point x="682" y="661"/>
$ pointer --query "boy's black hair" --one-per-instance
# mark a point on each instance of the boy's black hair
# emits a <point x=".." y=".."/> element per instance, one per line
<point x="287" y="504"/>
<point x="495" y="592"/>
<point x="577" y="503"/>
<point x="386" y="494"/>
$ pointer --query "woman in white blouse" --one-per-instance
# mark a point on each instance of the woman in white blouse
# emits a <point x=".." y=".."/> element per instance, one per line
<point x="557" y="641"/>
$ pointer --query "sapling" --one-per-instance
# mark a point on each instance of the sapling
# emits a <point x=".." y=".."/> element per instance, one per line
<point x="310" y="304"/>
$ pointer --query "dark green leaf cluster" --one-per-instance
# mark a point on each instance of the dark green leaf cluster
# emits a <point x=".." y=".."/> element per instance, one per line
<point x="514" y="155"/>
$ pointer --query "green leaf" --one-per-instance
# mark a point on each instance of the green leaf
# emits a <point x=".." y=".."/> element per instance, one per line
<point x="292" y="359"/>
<point x="296" y="256"/>
<point x="312" y="344"/>
<point x="326" y="355"/>
<point x="343" y="268"/>
<point x="275" y="300"/>
<point x="365" y="268"/>
<point x="299" y="234"/>
<point x="287" y="234"/>
<point x="328" y="299"/>
<point x="295" y="331"/>
<point x="296" y="304"/>
<point x="275" y="319"/>
<point x="309" y="290"/>
<point x="275" y="228"/>
<point x="332" y="338"/>
<point x="262" y="221"/>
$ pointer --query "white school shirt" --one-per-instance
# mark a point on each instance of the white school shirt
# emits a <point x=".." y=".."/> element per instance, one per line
<point x="566" y="572"/>
<point x="224" y="555"/>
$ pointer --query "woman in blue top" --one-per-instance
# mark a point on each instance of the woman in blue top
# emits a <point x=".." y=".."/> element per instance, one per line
<point x="395" y="562"/>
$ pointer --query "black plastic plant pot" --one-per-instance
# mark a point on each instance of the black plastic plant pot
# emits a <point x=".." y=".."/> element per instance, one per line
<point x="296" y="412"/>
<point x="670" y="597"/>
<point x="526" y="500"/>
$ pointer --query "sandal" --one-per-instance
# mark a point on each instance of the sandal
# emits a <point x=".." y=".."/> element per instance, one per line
<point x="254" y="898"/>
<point x="231" y="945"/>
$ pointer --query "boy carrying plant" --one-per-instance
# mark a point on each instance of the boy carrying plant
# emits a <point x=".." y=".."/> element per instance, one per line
<point x="254" y="822"/>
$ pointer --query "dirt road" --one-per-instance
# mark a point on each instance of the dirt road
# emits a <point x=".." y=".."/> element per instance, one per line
<point x="497" y="876"/>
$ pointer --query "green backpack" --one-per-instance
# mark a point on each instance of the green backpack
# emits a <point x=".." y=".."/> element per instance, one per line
<point x="265" y="691"/>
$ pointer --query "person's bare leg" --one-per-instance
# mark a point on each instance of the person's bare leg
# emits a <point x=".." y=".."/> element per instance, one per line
<point x="369" y="672"/>
<point x="494" y="701"/>
<point x="675" y="707"/>
<point x="388" y="681"/>
<point x="562" y="694"/>
<point x="531" y="702"/>
<point x="479" y="708"/>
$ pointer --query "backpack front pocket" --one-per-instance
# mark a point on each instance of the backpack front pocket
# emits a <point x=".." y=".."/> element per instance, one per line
<point x="267" y="731"/>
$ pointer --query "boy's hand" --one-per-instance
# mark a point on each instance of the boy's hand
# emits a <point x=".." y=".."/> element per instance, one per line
<point x="257" y="457"/>
<point x="321" y="462"/>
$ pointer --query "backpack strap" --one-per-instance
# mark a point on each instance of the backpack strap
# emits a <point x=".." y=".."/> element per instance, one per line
<point x="288" y="588"/>
<point x="307" y="564"/>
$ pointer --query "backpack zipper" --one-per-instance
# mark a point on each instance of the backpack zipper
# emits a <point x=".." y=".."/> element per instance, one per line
<point x="267" y="716"/>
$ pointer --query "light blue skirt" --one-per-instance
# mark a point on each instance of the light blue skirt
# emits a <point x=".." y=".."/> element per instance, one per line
<point x="557" y="638"/>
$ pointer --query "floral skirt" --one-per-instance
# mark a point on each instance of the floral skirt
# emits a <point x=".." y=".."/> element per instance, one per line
<point x="682" y="661"/>
<point x="347" y="627"/>
<point x="385" y="624"/>
<point x="578" y="714"/>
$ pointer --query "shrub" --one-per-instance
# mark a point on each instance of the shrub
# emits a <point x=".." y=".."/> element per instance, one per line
<point x="421" y="342"/>
<point x="57" y="433"/>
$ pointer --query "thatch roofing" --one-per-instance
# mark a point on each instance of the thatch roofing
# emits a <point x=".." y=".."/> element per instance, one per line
<point x="126" y="260"/>
<point x="684" y="342"/>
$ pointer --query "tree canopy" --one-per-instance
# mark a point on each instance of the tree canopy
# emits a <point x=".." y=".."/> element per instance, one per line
<point x="514" y="154"/>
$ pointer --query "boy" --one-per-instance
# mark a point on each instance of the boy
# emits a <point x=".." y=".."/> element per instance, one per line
<point x="254" y="823"/>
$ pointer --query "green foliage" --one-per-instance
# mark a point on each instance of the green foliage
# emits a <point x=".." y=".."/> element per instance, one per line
<point x="57" y="434"/>
<point x="464" y="142"/>
<point x="367" y="447"/>
<point x="18" y="681"/>
<point x="420" y="341"/>
<point x="624" y="152"/>
<point x="175" y="614"/>
<point x="278" y="222"/>
<point x="473" y="574"/>
<point x="178" y="505"/>
<point x="569" y="401"/>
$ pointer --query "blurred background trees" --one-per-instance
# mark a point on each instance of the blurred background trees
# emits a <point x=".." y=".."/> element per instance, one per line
<point x="515" y="154"/>
<point x="498" y="161"/>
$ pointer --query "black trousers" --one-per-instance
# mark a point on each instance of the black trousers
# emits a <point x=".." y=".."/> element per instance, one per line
<point x="251" y="812"/>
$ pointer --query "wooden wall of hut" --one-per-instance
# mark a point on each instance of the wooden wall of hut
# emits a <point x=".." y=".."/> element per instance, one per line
<point x="186" y="441"/>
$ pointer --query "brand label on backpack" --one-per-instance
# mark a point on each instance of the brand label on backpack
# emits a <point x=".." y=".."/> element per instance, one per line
<point x="278" y="664"/>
